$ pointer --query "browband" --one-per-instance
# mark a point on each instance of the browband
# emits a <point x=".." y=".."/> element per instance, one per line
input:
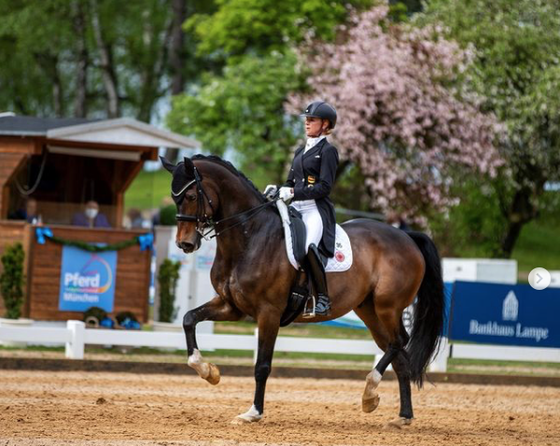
<point x="183" y="189"/>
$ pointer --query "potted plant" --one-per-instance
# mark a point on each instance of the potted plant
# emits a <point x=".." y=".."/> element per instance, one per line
<point x="168" y="276"/>
<point x="11" y="288"/>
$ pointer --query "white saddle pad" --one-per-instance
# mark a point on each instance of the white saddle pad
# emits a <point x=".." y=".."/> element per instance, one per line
<point x="342" y="260"/>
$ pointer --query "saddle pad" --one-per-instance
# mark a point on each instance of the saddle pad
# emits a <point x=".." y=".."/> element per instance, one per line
<point x="342" y="260"/>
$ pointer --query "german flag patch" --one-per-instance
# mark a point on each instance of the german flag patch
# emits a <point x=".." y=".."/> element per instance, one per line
<point x="311" y="179"/>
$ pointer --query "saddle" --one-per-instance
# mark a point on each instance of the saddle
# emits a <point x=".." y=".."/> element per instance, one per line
<point x="295" y="235"/>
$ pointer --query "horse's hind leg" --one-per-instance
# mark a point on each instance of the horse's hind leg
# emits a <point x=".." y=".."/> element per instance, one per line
<point x="215" y="310"/>
<point x="391" y="337"/>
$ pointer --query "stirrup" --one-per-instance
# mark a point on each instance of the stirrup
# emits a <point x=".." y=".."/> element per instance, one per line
<point x="306" y="314"/>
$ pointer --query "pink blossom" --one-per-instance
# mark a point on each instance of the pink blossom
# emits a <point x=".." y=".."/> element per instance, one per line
<point x="404" y="117"/>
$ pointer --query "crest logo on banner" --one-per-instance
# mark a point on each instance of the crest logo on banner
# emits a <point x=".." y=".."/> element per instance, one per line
<point x="87" y="279"/>
<point x="510" y="307"/>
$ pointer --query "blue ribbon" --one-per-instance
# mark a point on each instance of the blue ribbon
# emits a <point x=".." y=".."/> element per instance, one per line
<point x="146" y="241"/>
<point x="41" y="232"/>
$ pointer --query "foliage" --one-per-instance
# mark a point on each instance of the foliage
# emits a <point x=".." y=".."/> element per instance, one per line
<point x="263" y="26"/>
<point x="11" y="280"/>
<point x="517" y="66"/>
<point x="405" y="116"/>
<point x="92" y="57"/>
<point x="242" y="106"/>
<point x="168" y="276"/>
<point x="471" y="227"/>
<point x="167" y="215"/>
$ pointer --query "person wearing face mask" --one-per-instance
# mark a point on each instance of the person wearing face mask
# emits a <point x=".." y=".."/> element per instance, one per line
<point x="309" y="185"/>
<point x="91" y="217"/>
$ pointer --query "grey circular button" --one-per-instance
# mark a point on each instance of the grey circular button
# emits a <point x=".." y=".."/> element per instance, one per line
<point x="539" y="278"/>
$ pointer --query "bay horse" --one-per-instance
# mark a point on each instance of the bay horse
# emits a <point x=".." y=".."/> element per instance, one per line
<point x="253" y="277"/>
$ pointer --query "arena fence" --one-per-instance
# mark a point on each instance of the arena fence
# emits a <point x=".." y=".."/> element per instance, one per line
<point x="75" y="337"/>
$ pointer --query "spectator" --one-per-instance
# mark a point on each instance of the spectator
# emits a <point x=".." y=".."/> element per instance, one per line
<point x="91" y="217"/>
<point x="29" y="213"/>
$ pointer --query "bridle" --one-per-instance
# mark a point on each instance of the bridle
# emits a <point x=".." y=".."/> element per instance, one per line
<point x="205" y="223"/>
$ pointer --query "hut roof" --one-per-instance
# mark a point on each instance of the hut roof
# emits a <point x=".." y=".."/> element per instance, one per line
<point x="125" y="131"/>
<point x="33" y="126"/>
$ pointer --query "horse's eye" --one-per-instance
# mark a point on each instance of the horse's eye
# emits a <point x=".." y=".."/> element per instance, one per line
<point x="191" y="197"/>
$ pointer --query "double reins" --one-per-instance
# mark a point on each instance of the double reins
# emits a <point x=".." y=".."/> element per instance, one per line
<point x="204" y="222"/>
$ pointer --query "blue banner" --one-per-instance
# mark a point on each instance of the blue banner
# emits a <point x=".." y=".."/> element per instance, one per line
<point x="87" y="279"/>
<point x="505" y="314"/>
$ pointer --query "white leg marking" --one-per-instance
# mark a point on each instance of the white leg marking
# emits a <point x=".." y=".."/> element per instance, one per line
<point x="251" y="416"/>
<point x="196" y="362"/>
<point x="370" y="398"/>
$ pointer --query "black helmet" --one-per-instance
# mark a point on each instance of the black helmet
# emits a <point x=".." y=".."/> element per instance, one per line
<point x="322" y="110"/>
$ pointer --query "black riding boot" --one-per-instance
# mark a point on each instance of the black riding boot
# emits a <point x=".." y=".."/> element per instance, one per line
<point x="319" y="277"/>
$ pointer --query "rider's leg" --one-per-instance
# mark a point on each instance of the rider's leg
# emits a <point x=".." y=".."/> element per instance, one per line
<point x="323" y="303"/>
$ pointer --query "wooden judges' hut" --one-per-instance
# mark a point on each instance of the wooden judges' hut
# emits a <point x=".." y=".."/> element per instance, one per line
<point x="62" y="164"/>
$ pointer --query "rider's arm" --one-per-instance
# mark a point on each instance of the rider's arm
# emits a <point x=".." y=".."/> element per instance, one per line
<point x="329" y="164"/>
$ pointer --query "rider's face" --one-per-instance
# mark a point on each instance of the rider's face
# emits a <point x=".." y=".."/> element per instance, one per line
<point x="315" y="126"/>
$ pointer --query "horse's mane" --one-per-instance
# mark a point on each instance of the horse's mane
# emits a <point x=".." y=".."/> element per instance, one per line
<point x="217" y="160"/>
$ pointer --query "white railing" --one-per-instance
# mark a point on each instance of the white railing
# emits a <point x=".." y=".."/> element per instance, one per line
<point x="75" y="336"/>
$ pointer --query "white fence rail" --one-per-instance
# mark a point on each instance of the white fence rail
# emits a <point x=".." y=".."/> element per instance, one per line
<point x="75" y="336"/>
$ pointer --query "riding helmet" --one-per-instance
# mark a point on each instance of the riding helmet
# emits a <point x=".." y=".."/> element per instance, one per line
<point x="322" y="110"/>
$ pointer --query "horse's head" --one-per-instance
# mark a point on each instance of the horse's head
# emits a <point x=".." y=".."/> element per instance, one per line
<point x="194" y="203"/>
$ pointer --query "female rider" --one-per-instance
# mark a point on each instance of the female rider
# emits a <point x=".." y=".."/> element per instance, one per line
<point x="309" y="184"/>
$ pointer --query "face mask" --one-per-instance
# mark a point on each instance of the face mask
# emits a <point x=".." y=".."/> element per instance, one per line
<point x="91" y="213"/>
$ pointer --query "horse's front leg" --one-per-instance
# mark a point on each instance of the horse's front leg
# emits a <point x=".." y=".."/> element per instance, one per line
<point x="268" y="323"/>
<point x="215" y="310"/>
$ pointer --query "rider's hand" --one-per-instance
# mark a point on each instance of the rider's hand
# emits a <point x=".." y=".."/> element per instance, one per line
<point x="270" y="191"/>
<point x="286" y="193"/>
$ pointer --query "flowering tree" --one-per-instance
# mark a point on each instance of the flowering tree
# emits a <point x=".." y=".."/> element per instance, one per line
<point x="517" y="67"/>
<point x="404" y="116"/>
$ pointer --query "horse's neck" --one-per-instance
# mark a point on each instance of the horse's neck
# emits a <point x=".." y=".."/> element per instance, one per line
<point x="246" y="230"/>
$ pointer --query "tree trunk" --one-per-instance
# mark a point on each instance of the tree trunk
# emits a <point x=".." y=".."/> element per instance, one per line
<point x="106" y="62"/>
<point x="522" y="211"/>
<point x="80" y="104"/>
<point x="177" y="51"/>
<point x="49" y="63"/>
<point x="152" y="73"/>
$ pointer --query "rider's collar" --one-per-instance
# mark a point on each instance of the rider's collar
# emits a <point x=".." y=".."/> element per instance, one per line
<point x="312" y="142"/>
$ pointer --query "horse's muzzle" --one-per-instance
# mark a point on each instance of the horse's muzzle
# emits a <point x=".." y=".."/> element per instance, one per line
<point x="186" y="247"/>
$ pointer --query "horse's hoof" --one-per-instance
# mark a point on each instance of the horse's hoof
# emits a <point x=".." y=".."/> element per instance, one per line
<point x="213" y="375"/>
<point x="399" y="423"/>
<point x="251" y="416"/>
<point x="370" y="404"/>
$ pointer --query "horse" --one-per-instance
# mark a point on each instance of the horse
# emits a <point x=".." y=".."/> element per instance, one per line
<point x="253" y="277"/>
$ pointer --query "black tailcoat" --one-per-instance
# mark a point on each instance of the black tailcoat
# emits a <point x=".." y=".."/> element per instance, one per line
<point x="312" y="176"/>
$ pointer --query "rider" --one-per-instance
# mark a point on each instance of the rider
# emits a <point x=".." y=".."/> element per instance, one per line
<point x="310" y="181"/>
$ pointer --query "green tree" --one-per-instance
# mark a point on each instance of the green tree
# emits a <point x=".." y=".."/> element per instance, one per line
<point x="241" y="107"/>
<point x="516" y="51"/>
<point x="96" y="57"/>
<point x="11" y="280"/>
<point x="168" y="276"/>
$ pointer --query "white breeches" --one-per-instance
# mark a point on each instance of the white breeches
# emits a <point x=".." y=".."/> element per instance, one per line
<point x="312" y="220"/>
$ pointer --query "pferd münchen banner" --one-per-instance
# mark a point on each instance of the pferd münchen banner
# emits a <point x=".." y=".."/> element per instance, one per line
<point x="87" y="279"/>
<point x="505" y="314"/>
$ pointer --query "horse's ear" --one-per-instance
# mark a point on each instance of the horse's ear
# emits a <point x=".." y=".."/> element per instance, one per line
<point x="189" y="167"/>
<point x="170" y="167"/>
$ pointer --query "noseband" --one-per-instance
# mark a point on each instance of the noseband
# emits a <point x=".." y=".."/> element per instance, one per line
<point x="205" y="223"/>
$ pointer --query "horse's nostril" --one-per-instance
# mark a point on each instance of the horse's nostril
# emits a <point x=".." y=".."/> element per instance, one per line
<point x="185" y="246"/>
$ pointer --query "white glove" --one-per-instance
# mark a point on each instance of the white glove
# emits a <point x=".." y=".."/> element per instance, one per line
<point x="270" y="190"/>
<point x="286" y="193"/>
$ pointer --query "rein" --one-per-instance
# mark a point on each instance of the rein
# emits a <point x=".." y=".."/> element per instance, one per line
<point x="204" y="222"/>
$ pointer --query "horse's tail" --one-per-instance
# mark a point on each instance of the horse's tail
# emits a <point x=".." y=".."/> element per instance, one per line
<point x="428" y="312"/>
